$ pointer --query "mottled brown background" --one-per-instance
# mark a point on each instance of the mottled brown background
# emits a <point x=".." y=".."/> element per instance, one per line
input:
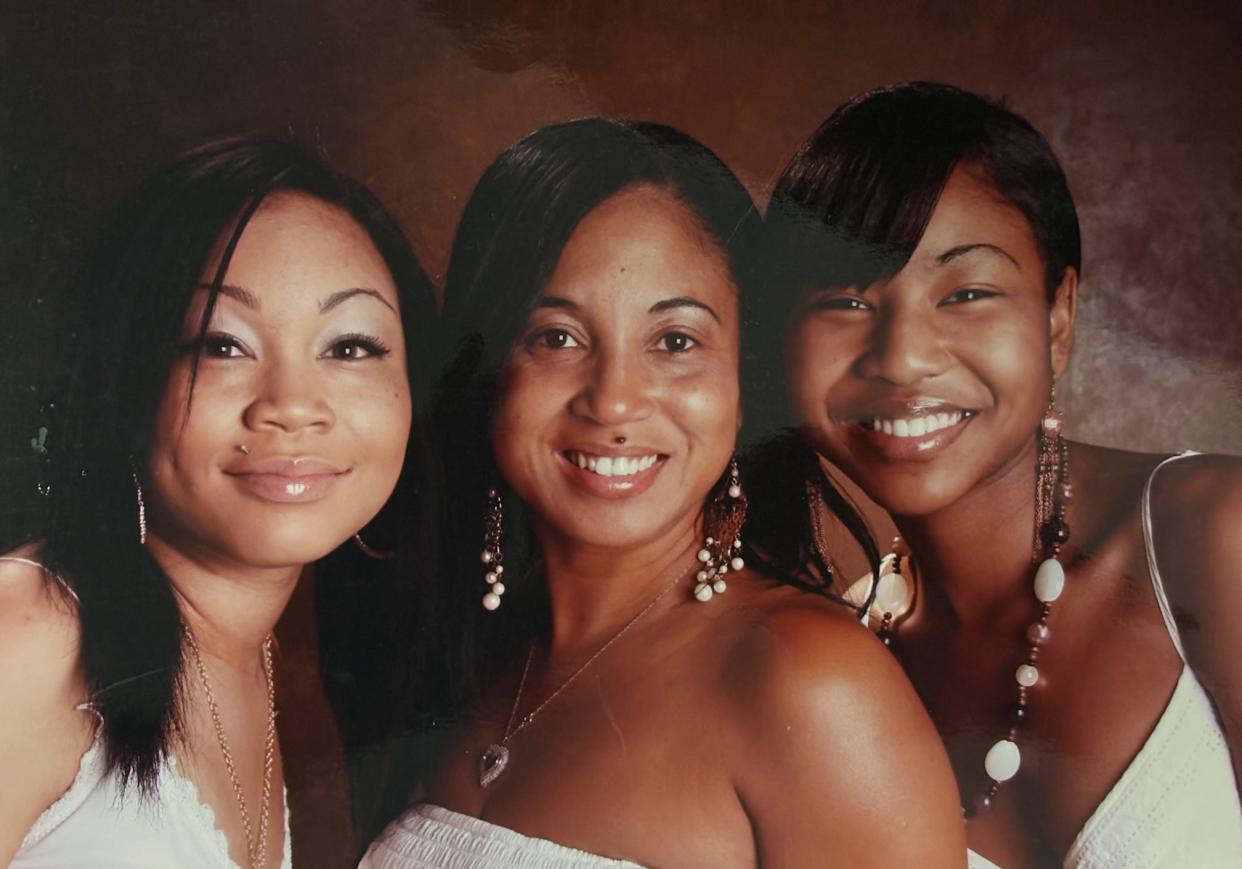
<point x="1140" y="100"/>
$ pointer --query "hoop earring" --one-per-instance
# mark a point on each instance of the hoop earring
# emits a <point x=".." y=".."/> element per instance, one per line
<point x="370" y="551"/>
<point x="491" y="556"/>
<point x="722" y="549"/>
<point x="142" y="509"/>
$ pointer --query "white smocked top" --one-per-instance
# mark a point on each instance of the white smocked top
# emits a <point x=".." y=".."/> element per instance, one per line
<point x="96" y="824"/>
<point x="431" y="836"/>
<point x="1176" y="806"/>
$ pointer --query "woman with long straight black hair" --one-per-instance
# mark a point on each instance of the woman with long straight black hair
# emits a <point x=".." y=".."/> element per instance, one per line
<point x="242" y="408"/>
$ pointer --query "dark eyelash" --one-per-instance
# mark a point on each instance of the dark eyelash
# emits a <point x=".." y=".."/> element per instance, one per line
<point x="370" y="343"/>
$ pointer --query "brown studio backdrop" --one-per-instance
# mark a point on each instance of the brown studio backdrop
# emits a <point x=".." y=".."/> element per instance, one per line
<point x="415" y="98"/>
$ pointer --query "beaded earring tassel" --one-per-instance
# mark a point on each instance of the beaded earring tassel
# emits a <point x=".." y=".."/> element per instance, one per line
<point x="722" y="550"/>
<point x="491" y="556"/>
<point x="1052" y="491"/>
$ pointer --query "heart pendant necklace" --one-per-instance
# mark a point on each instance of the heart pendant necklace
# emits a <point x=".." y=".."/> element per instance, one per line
<point x="496" y="756"/>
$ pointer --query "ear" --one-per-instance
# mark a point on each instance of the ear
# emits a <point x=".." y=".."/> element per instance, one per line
<point x="1061" y="322"/>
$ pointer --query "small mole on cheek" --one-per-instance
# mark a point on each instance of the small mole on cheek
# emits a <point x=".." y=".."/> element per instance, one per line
<point x="623" y="269"/>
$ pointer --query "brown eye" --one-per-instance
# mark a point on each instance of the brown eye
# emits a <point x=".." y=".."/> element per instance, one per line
<point x="352" y="348"/>
<point x="969" y="294"/>
<point x="556" y="339"/>
<point x="677" y="342"/>
<point x="216" y="345"/>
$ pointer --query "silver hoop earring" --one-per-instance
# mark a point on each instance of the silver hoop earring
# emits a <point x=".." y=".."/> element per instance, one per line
<point x="491" y="556"/>
<point x="370" y="551"/>
<point x="722" y="548"/>
<point x="142" y="509"/>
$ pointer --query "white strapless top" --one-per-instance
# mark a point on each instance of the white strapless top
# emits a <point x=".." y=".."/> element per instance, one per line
<point x="431" y="836"/>
<point x="1176" y="806"/>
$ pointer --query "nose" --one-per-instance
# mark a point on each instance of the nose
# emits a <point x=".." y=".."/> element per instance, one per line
<point x="617" y="391"/>
<point x="905" y="347"/>
<point x="289" y="399"/>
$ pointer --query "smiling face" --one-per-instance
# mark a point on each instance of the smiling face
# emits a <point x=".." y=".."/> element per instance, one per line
<point x="926" y="384"/>
<point x="619" y="404"/>
<point x="296" y="430"/>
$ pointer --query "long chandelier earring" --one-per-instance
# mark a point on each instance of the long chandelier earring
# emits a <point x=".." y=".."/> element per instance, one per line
<point x="491" y="556"/>
<point x="142" y="508"/>
<point x="722" y="549"/>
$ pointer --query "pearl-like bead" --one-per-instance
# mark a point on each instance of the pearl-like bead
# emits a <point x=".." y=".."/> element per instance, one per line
<point x="500" y="568"/>
<point x="491" y="601"/>
<point x="1049" y="580"/>
<point x="1002" y="760"/>
<point x="735" y="491"/>
<point x="1026" y="675"/>
<point x="719" y="586"/>
<point x="704" y="556"/>
<point x="499" y="588"/>
<point x="893" y="593"/>
<point x="737" y="563"/>
<point x="701" y="576"/>
<point x="703" y="592"/>
<point x="487" y="556"/>
<point x="1039" y="634"/>
<point x="491" y="577"/>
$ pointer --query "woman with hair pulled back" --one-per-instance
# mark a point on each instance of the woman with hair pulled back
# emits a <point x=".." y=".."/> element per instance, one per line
<point x="1067" y="612"/>
<point x="642" y="696"/>
<point x="242" y="408"/>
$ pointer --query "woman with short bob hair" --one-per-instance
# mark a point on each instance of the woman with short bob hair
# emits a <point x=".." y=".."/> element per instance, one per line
<point x="641" y="695"/>
<point x="1066" y="611"/>
<point x="242" y="407"/>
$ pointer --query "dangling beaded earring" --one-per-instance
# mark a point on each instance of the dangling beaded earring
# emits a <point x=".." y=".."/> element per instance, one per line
<point x="493" y="519"/>
<point x="722" y="551"/>
<point x="142" y="509"/>
<point x="1052" y="490"/>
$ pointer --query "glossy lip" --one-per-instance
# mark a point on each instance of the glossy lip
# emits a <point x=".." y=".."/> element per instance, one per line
<point x="895" y="448"/>
<point x="287" y="479"/>
<point x="611" y="487"/>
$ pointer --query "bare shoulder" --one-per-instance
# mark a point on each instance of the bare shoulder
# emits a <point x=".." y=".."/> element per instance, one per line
<point x="1196" y="510"/>
<point x="42" y="734"/>
<point x="833" y="733"/>
<point x="38" y="622"/>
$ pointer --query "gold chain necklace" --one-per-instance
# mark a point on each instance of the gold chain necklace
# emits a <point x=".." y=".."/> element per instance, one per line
<point x="496" y="757"/>
<point x="256" y="846"/>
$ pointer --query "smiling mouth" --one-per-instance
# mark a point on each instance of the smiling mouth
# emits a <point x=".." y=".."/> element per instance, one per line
<point x="612" y="466"/>
<point x="915" y="426"/>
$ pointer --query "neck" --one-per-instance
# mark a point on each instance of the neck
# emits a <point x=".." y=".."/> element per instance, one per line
<point x="593" y="590"/>
<point x="974" y="555"/>
<point x="231" y="609"/>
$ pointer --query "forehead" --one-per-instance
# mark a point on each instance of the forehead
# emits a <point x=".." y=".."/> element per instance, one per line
<point x="297" y="242"/>
<point x="971" y="210"/>
<point x="640" y="244"/>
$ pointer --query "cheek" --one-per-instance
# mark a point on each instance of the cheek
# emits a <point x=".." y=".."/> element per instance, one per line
<point x="815" y="362"/>
<point x="382" y="413"/>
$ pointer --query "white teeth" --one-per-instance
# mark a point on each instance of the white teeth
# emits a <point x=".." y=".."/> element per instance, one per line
<point x="608" y="466"/>
<point x="916" y="426"/>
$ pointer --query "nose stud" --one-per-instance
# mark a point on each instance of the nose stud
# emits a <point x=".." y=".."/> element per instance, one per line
<point x="620" y="439"/>
<point x="243" y="449"/>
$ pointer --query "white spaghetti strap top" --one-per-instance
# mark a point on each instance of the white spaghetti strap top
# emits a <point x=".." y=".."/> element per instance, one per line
<point x="1177" y="803"/>
<point x="98" y="824"/>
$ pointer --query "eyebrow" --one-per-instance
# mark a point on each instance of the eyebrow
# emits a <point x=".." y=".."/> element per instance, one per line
<point x="962" y="249"/>
<point x="343" y="295"/>
<point x="663" y="305"/>
<point x="682" y="302"/>
<point x="241" y="294"/>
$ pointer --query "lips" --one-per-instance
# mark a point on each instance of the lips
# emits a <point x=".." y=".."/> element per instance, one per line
<point x="915" y="429"/>
<point x="612" y="473"/>
<point x="287" y="479"/>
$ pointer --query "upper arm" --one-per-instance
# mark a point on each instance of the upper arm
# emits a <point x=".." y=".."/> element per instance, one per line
<point x="1197" y="532"/>
<point x="842" y="765"/>
<point x="42" y="735"/>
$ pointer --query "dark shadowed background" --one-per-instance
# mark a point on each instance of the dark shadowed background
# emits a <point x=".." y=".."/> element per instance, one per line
<point x="1140" y="100"/>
